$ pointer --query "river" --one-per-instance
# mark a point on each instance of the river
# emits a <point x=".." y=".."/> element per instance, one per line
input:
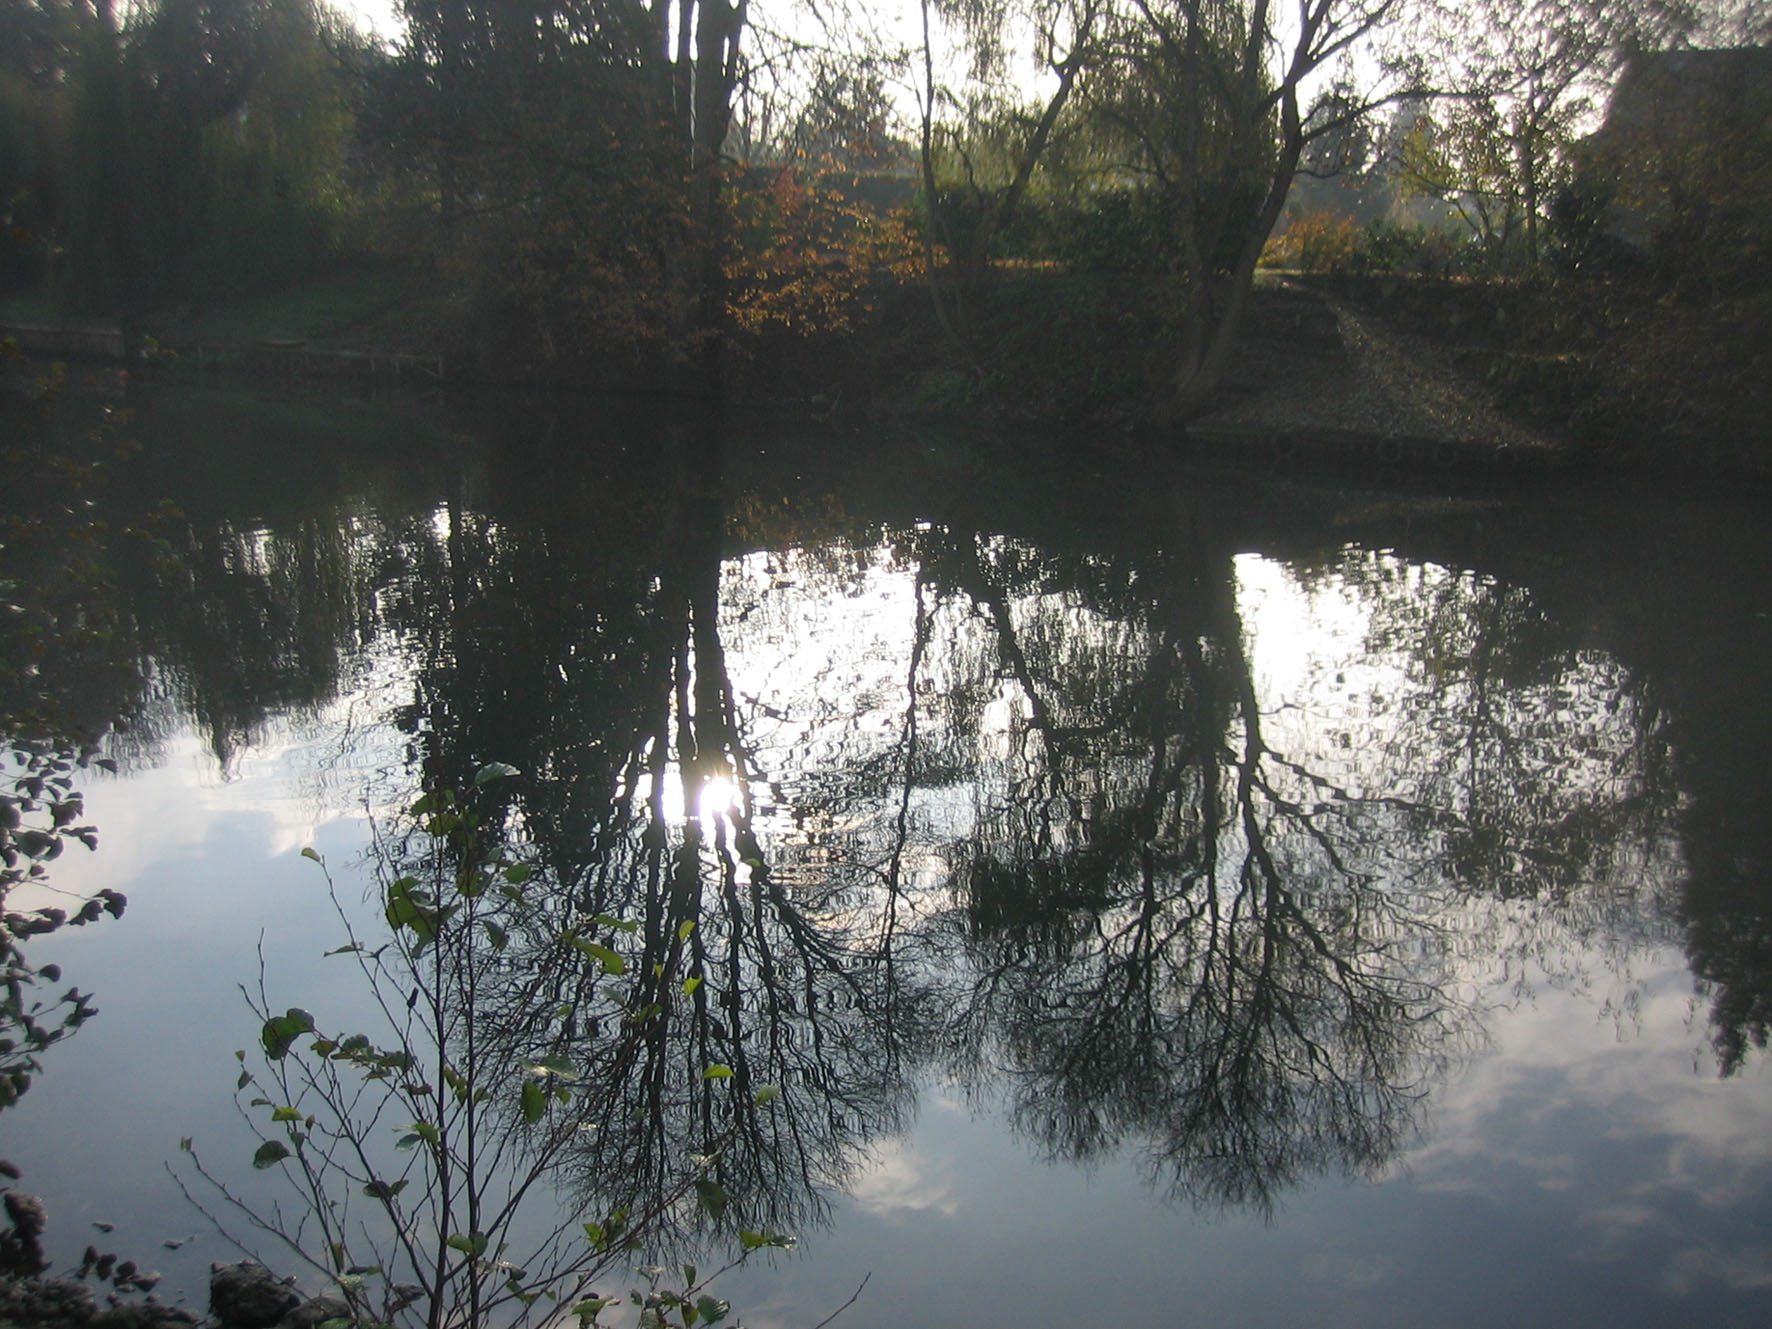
<point x="1048" y="884"/>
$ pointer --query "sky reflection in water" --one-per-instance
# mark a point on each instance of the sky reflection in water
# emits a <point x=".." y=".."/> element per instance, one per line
<point x="1379" y="847"/>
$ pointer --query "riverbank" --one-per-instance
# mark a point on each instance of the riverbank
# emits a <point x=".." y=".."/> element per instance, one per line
<point x="1345" y="369"/>
<point x="1628" y="376"/>
<point x="1314" y="379"/>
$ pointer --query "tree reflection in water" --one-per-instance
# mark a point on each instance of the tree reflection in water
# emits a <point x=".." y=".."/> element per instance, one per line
<point x="1177" y="848"/>
<point x="1158" y="927"/>
<point x="591" y="658"/>
<point x="1166" y="944"/>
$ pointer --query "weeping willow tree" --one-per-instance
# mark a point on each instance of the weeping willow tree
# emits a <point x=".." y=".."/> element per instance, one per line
<point x="979" y="151"/>
<point x="1208" y="94"/>
<point x="182" y="150"/>
<point x="1193" y="104"/>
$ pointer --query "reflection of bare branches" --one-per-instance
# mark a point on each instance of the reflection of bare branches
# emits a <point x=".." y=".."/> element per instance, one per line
<point x="1523" y="771"/>
<point x="1229" y="992"/>
<point x="1053" y="832"/>
<point x="771" y="988"/>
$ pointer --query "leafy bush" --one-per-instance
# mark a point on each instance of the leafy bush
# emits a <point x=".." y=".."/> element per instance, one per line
<point x="1319" y="241"/>
<point x="451" y="1119"/>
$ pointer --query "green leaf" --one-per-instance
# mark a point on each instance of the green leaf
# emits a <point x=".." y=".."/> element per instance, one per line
<point x="518" y="873"/>
<point x="382" y="1190"/>
<point x="690" y="984"/>
<point x="717" y="1072"/>
<point x="627" y="925"/>
<point x="685" y="928"/>
<point x="281" y="1031"/>
<point x="494" y="770"/>
<point x="499" y="937"/>
<point x="471" y="1244"/>
<point x="555" y="1065"/>
<point x="611" y="962"/>
<point x="270" y="1153"/>
<point x="712" y="1309"/>
<point x="535" y="1102"/>
<point x="712" y="1196"/>
<point x="768" y="1094"/>
<point x="757" y="1240"/>
<point x="587" y="1310"/>
<point x="184" y="1144"/>
<point x="287" y="1114"/>
<point x="408" y="907"/>
<point x="309" y="853"/>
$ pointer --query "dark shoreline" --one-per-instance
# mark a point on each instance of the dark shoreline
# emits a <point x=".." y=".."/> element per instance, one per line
<point x="1338" y="371"/>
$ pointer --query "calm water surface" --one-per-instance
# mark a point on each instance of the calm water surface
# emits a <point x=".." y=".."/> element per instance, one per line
<point x="1158" y="898"/>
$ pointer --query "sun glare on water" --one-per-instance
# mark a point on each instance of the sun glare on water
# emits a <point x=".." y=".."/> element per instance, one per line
<point x="720" y="797"/>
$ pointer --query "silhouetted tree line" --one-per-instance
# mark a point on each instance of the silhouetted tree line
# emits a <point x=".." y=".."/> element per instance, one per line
<point x="172" y="152"/>
<point x="633" y="182"/>
<point x="560" y="164"/>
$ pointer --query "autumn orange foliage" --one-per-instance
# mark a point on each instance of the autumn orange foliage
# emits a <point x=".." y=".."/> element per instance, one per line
<point x="807" y="252"/>
<point x="1313" y="242"/>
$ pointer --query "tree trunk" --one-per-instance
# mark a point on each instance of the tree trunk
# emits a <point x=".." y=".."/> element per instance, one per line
<point x="695" y="263"/>
<point x="1217" y="306"/>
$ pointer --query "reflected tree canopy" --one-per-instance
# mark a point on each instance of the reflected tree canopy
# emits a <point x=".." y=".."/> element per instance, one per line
<point x="67" y="677"/>
<point x="1167" y="844"/>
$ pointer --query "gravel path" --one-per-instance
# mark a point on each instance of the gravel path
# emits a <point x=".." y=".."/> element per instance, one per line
<point x="1310" y="367"/>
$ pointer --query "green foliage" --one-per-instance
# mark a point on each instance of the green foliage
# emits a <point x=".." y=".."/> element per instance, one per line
<point x="1323" y="242"/>
<point x="1058" y="346"/>
<point x="1119" y="230"/>
<point x="1386" y="247"/>
<point x="281" y="1031"/>
<point x="552" y="177"/>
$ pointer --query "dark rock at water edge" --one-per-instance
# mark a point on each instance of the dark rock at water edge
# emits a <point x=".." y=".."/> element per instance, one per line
<point x="241" y="1296"/>
<point x="313" y="1314"/>
<point x="65" y="1303"/>
<point x="21" y="1249"/>
<point x="249" y="1296"/>
<point x="142" y="1315"/>
<point x="49" y="1303"/>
